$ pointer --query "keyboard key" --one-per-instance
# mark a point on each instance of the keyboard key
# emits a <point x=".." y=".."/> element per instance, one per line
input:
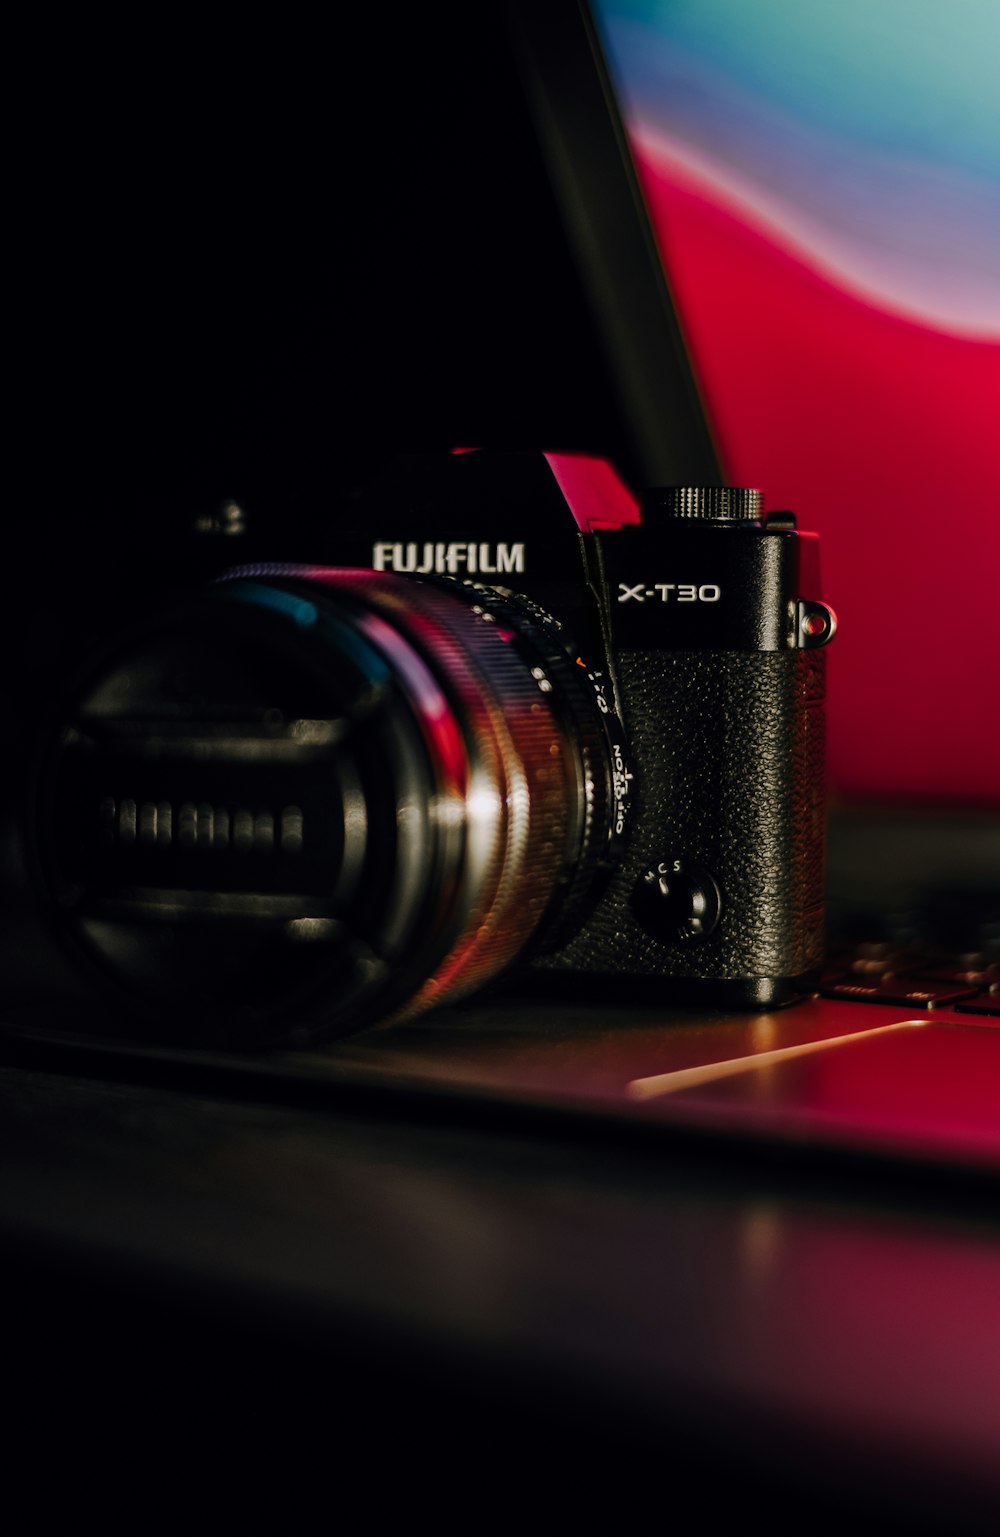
<point x="987" y="1003"/>
<point x="909" y="992"/>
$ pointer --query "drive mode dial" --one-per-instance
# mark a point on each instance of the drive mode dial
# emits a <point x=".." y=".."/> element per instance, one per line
<point x="677" y="901"/>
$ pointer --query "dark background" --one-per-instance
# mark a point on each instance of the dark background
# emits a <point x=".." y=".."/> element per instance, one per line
<point x="248" y="259"/>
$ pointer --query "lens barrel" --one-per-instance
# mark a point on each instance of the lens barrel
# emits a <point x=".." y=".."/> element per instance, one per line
<point x="308" y="799"/>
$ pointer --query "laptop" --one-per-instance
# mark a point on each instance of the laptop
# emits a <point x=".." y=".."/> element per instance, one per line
<point x="799" y="343"/>
<point x="714" y="289"/>
<point x="823" y="318"/>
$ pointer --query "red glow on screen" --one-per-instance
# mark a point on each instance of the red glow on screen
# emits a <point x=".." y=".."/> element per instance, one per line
<point x="881" y="433"/>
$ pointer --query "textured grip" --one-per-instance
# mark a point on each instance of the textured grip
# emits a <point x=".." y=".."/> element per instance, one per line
<point x="728" y="757"/>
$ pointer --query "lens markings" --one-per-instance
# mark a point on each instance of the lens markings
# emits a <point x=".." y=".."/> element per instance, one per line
<point x="154" y="824"/>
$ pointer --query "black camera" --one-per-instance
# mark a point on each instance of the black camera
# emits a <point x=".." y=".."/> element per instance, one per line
<point x="504" y="727"/>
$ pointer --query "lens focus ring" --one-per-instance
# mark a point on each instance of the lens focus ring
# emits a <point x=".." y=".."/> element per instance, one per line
<point x="312" y="798"/>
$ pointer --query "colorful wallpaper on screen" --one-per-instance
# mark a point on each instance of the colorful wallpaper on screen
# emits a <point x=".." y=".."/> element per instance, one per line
<point x="824" y="181"/>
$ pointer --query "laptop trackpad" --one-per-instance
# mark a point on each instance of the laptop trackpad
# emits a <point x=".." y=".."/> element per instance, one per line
<point x="914" y="1086"/>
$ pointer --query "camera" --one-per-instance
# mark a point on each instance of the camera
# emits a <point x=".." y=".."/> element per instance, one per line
<point x="507" y="725"/>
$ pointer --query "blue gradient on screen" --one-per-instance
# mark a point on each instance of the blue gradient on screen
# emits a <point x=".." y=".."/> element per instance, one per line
<point x="823" y="179"/>
<point x="864" y="134"/>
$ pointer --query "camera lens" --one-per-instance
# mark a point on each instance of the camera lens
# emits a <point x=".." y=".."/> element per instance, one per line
<point x="307" y="799"/>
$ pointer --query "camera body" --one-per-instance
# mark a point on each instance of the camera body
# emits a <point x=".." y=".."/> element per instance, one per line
<point x="702" y="613"/>
<point x="504" y="723"/>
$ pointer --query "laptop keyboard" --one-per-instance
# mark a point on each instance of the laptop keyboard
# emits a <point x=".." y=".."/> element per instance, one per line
<point x="941" y="954"/>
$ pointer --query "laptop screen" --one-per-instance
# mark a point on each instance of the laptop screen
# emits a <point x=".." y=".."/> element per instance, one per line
<point x="824" y="185"/>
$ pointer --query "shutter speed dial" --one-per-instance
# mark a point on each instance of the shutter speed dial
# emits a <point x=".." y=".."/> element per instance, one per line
<point x="677" y="901"/>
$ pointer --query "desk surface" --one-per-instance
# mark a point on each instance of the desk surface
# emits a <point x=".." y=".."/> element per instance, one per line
<point x="421" y="1215"/>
